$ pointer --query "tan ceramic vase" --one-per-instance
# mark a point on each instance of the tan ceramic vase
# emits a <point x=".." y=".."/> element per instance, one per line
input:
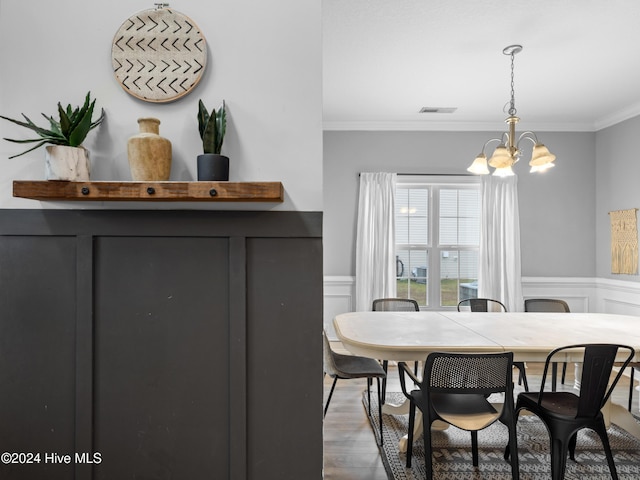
<point x="149" y="153"/>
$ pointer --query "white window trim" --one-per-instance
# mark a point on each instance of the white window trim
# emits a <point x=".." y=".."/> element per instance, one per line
<point x="434" y="248"/>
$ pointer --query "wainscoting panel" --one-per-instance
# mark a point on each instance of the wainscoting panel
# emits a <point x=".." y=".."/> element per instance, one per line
<point x="582" y="294"/>
<point x="339" y="297"/>
<point x="172" y="344"/>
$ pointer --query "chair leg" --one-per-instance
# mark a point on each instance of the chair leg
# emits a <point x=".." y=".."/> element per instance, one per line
<point x="335" y="380"/>
<point x="369" y="396"/>
<point x="507" y="451"/>
<point x="512" y="448"/>
<point x="558" y="459"/>
<point x="631" y="386"/>
<point x="602" y="432"/>
<point x="428" y="449"/>
<point x="474" y="447"/>
<point x="412" y="418"/>
<point x="385" y="366"/>
<point x="379" y="409"/>
<point x="572" y="446"/>
<point x="522" y="375"/>
<point x="554" y="376"/>
<point x="564" y="372"/>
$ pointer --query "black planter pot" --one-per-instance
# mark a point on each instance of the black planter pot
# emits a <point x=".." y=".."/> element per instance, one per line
<point x="213" y="167"/>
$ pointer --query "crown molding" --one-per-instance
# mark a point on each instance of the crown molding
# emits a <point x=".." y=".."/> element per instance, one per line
<point x="618" y="117"/>
<point x="409" y="125"/>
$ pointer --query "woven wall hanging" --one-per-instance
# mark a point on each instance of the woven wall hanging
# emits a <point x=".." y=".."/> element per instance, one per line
<point x="624" y="241"/>
<point x="158" y="55"/>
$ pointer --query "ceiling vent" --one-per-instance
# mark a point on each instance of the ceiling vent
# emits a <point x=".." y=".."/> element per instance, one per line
<point x="438" y="109"/>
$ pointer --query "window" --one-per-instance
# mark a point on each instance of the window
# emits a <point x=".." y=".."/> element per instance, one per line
<point x="437" y="241"/>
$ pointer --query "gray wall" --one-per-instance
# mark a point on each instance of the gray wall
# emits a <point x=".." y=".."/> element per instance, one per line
<point x="556" y="209"/>
<point x="618" y="172"/>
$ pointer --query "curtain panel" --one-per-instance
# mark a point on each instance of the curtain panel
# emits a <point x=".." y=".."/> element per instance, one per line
<point x="375" y="239"/>
<point x="499" y="275"/>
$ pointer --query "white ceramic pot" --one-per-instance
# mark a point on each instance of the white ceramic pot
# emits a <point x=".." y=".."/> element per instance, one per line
<point x="66" y="163"/>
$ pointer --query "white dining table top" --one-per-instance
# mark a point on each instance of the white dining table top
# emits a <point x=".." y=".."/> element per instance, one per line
<point x="410" y="336"/>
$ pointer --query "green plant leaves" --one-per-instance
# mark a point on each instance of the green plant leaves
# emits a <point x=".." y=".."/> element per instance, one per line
<point x="71" y="129"/>
<point x="212" y="127"/>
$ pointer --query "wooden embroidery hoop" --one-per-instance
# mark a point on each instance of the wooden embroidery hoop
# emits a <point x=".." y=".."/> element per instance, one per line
<point x="158" y="55"/>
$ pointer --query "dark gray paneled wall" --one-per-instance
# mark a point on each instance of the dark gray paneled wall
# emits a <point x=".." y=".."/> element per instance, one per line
<point x="618" y="177"/>
<point x="174" y="344"/>
<point x="556" y="209"/>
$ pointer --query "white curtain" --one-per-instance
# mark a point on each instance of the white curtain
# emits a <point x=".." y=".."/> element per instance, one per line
<point x="499" y="276"/>
<point x="375" y="241"/>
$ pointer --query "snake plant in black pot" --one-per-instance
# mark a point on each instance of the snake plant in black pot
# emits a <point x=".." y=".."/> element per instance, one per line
<point x="212" y="166"/>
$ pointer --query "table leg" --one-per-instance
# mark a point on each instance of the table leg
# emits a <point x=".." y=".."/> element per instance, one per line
<point x="614" y="413"/>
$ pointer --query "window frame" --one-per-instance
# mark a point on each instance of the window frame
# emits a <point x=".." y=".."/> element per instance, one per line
<point x="434" y="183"/>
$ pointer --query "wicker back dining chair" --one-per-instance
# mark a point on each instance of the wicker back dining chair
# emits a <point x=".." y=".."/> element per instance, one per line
<point x="549" y="305"/>
<point x="456" y="388"/>
<point x="491" y="305"/>
<point x="565" y="413"/>
<point x="394" y="305"/>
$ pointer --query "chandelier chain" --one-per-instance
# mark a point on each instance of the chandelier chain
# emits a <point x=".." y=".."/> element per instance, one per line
<point x="512" y="106"/>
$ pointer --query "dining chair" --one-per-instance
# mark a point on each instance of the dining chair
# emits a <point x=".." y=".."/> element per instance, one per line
<point x="565" y="413"/>
<point x="455" y="388"/>
<point x="549" y="305"/>
<point x="490" y="305"/>
<point x="346" y="367"/>
<point x="394" y="305"/>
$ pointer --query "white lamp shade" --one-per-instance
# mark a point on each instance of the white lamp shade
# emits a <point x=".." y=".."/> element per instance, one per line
<point x="501" y="157"/>
<point x="541" y="156"/>
<point x="479" y="165"/>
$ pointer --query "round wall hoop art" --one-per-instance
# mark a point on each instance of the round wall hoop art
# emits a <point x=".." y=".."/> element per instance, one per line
<point x="158" y="55"/>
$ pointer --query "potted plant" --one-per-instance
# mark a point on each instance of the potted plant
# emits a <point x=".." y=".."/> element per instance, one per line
<point x="65" y="158"/>
<point x="211" y="164"/>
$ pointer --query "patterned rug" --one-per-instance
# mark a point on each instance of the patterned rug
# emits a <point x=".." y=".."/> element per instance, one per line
<point x="452" y="452"/>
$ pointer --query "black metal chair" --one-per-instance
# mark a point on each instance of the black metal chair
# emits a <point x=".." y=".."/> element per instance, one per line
<point x="346" y="367"/>
<point x="565" y="413"/>
<point x="455" y="388"/>
<point x="490" y="305"/>
<point x="394" y="305"/>
<point x="549" y="305"/>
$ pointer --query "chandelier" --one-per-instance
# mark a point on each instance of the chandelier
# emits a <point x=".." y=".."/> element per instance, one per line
<point x="508" y="152"/>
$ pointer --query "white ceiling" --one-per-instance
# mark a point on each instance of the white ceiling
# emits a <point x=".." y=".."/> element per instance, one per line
<point x="383" y="60"/>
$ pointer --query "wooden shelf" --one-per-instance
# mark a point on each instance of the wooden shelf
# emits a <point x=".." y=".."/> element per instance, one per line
<point x="150" y="191"/>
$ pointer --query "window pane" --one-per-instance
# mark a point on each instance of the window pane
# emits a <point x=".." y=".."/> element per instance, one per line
<point x="412" y="216"/>
<point x="459" y="217"/>
<point x="468" y="274"/>
<point x="449" y="278"/>
<point x="458" y="276"/>
<point x="413" y="281"/>
<point x="448" y="217"/>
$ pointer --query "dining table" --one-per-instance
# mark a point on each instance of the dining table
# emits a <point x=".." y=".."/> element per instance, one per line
<point x="411" y="336"/>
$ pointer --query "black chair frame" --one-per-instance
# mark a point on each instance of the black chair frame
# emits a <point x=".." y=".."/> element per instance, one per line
<point x="463" y="383"/>
<point x="549" y="305"/>
<point x="394" y="304"/>
<point x="482" y="305"/>
<point x="565" y="413"/>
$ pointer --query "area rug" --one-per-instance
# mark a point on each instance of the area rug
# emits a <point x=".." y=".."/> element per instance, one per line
<point x="452" y="452"/>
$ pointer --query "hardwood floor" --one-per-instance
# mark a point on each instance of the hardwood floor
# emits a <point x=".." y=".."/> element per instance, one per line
<point x="350" y="450"/>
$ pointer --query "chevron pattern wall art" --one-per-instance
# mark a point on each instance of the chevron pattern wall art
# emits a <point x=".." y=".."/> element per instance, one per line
<point x="158" y="55"/>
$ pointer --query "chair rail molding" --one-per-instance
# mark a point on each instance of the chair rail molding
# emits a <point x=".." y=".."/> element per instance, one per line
<point x="583" y="294"/>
